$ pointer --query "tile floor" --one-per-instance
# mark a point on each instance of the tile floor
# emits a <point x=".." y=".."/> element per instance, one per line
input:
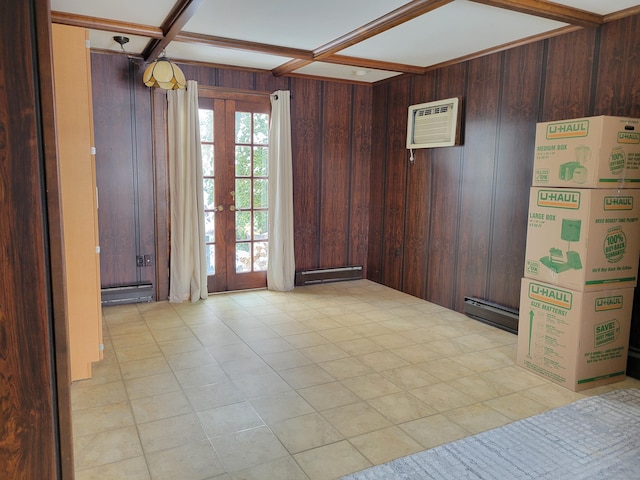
<point x="311" y="384"/>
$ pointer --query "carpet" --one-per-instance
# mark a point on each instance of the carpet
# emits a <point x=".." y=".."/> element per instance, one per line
<point x="593" y="438"/>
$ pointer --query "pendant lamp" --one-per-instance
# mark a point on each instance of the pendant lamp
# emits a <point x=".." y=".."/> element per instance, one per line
<point x="164" y="74"/>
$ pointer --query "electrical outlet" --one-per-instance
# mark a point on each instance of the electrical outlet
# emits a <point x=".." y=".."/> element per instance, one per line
<point x="139" y="261"/>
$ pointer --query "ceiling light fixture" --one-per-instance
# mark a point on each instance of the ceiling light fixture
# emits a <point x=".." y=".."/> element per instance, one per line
<point x="360" y="73"/>
<point x="164" y="74"/>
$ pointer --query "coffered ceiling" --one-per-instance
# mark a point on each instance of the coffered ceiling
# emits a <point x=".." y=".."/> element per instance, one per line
<point x="356" y="40"/>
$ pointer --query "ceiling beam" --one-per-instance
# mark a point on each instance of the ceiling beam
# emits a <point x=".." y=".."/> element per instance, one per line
<point x="172" y="25"/>
<point x="222" y="42"/>
<point x="551" y="11"/>
<point x="373" y="64"/>
<point x="105" y="25"/>
<point x="397" y="17"/>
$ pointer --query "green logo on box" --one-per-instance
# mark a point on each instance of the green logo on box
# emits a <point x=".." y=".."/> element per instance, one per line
<point x="606" y="332"/>
<point x="617" y="161"/>
<point x="615" y="245"/>
<point x="613" y="302"/>
<point x="567" y="129"/>
<point x="550" y="295"/>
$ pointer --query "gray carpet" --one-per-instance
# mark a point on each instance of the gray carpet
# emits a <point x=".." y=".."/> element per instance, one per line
<point x="592" y="438"/>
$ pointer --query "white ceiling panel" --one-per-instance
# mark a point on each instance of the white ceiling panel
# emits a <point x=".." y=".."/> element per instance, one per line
<point x="345" y="72"/>
<point x="599" y="6"/>
<point x="104" y="41"/>
<point x="142" y="12"/>
<point x="455" y="30"/>
<point x="301" y="24"/>
<point x="223" y="56"/>
<point x="448" y="32"/>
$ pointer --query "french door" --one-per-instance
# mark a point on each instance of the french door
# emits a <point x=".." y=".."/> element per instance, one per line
<point x="234" y="137"/>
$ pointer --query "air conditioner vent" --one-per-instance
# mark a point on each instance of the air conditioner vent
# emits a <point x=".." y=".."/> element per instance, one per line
<point x="434" y="124"/>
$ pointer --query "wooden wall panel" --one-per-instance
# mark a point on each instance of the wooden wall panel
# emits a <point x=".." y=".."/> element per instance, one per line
<point x="618" y="85"/>
<point x="481" y="109"/>
<point x="306" y="132"/>
<point x="445" y="202"/>
<point x="519" y="107"/>
<point x="357" y="236"/>
<point x="113" y="125"/>
<point x="568" y="72"/>
<point x="418" y="200"/>
<point x="236" y="79"/>
<point x="378" y="174"/>
<point x="395" y="184"/>
<point x="335" y="174"/>
<point x="30" y="447"/>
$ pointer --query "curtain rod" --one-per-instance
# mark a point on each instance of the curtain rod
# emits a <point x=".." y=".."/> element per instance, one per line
<point x="236" y="90"/>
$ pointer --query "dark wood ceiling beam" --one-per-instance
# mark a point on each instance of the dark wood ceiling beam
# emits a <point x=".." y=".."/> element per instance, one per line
<point x="103" y="24"/>
<point x="172" y="25"/>
<point x="551" y="11"/>
<point x="222" y="42"/>
<point x="373" y="64"/>
<point x="397" y="17"/>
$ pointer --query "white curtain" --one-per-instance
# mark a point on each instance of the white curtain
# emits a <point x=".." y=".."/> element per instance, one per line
<point x="281" y="266"/>
<point x="188" y="271"/>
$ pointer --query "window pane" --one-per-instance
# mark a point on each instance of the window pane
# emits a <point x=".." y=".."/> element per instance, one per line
<point x="243" y="193"/>
<point x="243" y="161"/>
<point x="207" y="160"/>
<point x="260" y="253"/>
<point x="260" y="228"/>
<point x="206" y="125"/>
<point x="209" y="198"/>
<point x="261" y="128"/>
<point x="210" y="253"/>
<point x="243" y="257"/>
<point x="243" y="226"/>
<point x="260" y="161"/>
<point x="260" y="193"/>
<point x="243" y="127"/>
<point x="209" y="227"/>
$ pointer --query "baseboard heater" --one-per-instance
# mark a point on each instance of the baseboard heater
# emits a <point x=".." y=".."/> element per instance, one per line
<point x="493" y="314"/>
<point x="324" y="275"/>
<point x="139" y="293"/>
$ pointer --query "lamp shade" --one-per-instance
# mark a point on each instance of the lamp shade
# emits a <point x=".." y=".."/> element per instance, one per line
<point x="164" y="74"/>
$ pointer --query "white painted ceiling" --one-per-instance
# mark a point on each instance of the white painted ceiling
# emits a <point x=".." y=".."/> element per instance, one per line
<point x="450" y="31"/>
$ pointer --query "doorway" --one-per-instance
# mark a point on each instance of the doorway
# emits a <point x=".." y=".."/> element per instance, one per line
<point x="234" y="135"/>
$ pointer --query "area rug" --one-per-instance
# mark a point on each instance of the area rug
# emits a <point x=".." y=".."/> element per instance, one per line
<point x="593" y="438"/>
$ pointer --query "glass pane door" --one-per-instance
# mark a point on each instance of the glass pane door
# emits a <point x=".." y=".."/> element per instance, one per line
<point x="235" y="149"/>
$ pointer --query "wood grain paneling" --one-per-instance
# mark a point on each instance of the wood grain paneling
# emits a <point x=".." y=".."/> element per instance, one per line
<point x="113" y="124"/>
<point x="568" y="72"/>
<point x="357" y="236"/>
<point x="395" y="183"/>
<point x="306" y="133"/>
<point x="519" y="105"/>
<point x="418" y="200"/>
<point x="481" y="107"/>
<point x="445" y="201"/>
<point x="28" y="410"/>
<point x="335" y="174"/>
<point x="378" y="174"/>
<point x="618" y="87"/>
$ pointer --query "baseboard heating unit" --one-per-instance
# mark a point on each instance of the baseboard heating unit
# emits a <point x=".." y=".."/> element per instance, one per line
<point x="324" y="275"/>
<point x="140" y="293"/>
<point x="493" y="314"/>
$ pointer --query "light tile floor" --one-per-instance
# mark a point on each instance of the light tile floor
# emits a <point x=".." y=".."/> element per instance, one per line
<point x="311" y="384"/>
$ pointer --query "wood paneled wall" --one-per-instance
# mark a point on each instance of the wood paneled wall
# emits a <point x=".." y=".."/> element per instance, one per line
<point x="35" y="406"/>
<point x="331" y="130"/>
<point x="453" y="223"/>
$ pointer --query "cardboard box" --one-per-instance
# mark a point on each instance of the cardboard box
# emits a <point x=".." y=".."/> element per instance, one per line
<point x="583" y="239"/>
<point x="578" y="340"/>
<point x="590" y="152"/>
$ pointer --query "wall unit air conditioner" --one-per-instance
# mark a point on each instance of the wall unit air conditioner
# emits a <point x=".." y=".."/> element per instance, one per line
<point x="434" y="124"/>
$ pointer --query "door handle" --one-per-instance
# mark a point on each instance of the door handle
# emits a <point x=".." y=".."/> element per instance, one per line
<point x="232" y="208"/>
<point x="219" y="208"/>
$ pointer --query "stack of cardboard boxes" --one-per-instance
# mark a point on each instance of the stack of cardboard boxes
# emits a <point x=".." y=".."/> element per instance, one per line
<point x="583" y="246"/>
